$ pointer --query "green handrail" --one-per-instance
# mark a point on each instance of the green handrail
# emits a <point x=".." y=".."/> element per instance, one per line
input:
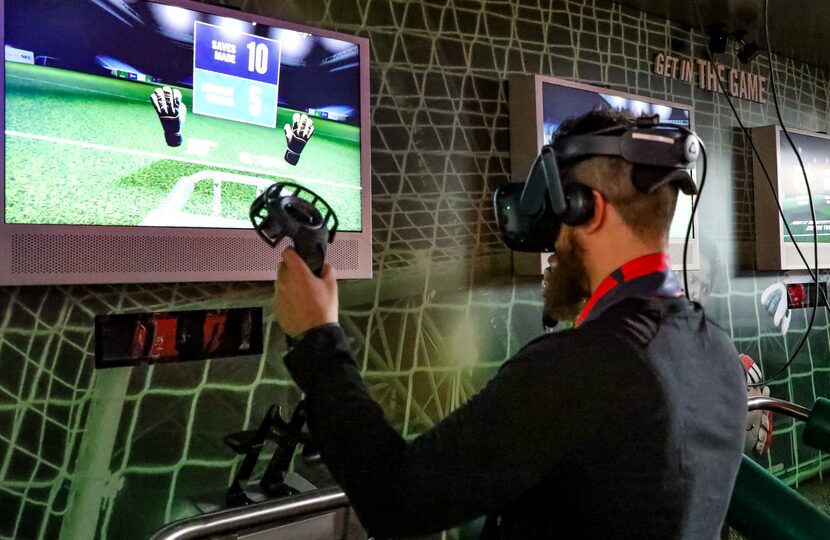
<point x="817" y="428"/>
<point x="763" y="507"/>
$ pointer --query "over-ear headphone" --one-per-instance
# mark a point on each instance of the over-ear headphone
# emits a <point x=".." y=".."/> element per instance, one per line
<point x="530" y="214"/>
<point x="571" y="203"/>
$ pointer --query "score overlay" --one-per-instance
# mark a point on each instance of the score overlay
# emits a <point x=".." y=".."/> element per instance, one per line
<point x="235" y="75"/>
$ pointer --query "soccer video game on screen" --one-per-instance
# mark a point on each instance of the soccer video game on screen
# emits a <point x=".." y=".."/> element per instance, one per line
<point x="142" y="114"/>
<point x="795" y="202"/>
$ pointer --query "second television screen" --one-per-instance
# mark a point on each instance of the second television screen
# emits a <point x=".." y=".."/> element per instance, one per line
<point x="560" y="102"/>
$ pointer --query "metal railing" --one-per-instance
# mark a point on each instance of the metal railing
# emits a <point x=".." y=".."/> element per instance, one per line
<point x="780" y="406"/>
<point x="266" y="513"/>
<point x="762" y="506"/>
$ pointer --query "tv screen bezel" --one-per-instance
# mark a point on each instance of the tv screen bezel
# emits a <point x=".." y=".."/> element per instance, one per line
<point x="353" y="249"/>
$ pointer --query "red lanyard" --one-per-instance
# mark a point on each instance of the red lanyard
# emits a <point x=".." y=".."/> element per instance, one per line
<point x="642" y="266"/>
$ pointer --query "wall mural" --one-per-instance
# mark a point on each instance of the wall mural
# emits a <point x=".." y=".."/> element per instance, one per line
<point x="123" y="451"/>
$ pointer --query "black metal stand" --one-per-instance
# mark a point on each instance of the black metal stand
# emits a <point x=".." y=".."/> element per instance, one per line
<point x="287" y="436"/>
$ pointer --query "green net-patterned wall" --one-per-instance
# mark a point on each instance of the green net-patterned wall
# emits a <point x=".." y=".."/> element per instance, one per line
<point x="123" y="451"/>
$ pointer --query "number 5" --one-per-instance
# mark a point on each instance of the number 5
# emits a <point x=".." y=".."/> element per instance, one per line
<point x="255" y="100"/>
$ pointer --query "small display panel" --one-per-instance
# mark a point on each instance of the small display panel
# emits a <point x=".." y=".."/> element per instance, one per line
<point x="164" y="337"/>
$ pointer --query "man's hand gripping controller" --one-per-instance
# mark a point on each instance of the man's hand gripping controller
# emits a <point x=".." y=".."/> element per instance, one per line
<point x="286" y="209"/>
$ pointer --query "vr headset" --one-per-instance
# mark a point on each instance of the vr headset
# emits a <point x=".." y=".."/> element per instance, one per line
<point x="530" y="214"/>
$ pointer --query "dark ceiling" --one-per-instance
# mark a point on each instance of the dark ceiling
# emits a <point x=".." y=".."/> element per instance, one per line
<point x="799" y="29"/>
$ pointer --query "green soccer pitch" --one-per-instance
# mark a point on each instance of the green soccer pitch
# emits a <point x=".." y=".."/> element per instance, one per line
<point x="800" y="220"/>
<point x="89" y="150"/>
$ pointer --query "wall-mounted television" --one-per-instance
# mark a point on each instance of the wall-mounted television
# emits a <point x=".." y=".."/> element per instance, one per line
<point x="137" y="134"/>
<point x="539" y="104"/>
<point x="774" y="248"/>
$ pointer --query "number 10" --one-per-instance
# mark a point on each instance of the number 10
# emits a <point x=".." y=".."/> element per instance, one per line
<point x="258" y="57"/>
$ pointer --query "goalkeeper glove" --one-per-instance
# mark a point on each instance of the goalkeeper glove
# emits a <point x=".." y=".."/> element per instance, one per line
<point x="297" y="135"/>
<point x="759" y="422"/>
<point x="774" y="299"/>
<point x="171" y="111"/>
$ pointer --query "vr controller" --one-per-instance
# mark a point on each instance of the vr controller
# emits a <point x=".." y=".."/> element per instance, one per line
<point x="286" y="209"/>
<point x="530" y="214"/>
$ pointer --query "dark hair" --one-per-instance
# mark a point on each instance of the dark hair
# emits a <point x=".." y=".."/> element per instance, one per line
<point x="648" y="214"/>
<point x="594" y="121"/>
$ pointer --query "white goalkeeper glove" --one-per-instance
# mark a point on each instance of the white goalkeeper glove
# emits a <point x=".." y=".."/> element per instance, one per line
<point x="171" y="112"/>
<point x="296" y="136"/>
<point x="758" y="422"/>
<point x="774" y="299"/>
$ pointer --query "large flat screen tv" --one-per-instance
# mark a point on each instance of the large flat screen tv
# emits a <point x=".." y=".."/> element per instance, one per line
<point x="539" y="104"/>
<point x="105" y="183"/>
<point x="774" y="248"/>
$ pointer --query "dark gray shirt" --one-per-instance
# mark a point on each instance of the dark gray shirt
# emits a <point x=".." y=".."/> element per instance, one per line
<point x="629" y="426"/>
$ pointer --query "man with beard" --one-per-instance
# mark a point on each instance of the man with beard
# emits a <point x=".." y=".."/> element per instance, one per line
<point x="629" y="425"/>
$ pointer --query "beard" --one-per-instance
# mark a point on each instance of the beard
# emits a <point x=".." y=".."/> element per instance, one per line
<point x="566" y="285"/>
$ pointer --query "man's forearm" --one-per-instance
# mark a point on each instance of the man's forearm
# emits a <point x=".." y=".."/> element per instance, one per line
<point x="355" y="439"/>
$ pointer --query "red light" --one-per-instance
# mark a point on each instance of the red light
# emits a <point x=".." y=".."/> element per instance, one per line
<point x="796" y="295"/>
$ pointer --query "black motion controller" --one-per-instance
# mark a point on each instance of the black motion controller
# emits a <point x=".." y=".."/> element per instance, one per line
<point x="286" y="209"/>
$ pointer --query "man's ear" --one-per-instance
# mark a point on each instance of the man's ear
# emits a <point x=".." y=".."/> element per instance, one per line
<point x="600" y="214"/>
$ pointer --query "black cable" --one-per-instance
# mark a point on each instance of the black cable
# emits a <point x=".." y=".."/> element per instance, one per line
<point x="692" y="218"/>
<point x="757" y="154"/>
<point x="809" y="195"/>
<point x="748" y="135"/>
